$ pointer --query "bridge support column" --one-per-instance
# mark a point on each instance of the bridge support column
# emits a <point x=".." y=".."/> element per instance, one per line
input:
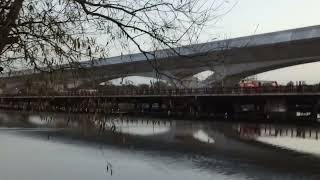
<point x="315" y="110"/>
<point x="219" y="79"/>
<point x="276" y="109"/>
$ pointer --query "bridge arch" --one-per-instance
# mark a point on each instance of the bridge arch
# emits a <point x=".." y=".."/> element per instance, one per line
<point x="241" y="57"/>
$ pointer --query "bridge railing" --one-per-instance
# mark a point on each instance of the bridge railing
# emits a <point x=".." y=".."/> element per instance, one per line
<point x="216" y="91"/>
<point x="183" y="92"/>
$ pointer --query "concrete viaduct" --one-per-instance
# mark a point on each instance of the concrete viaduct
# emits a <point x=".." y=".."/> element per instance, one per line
<point x="231" y="60"/>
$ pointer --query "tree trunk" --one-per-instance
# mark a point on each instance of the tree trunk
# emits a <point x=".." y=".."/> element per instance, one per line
<point x="7" y="21"/>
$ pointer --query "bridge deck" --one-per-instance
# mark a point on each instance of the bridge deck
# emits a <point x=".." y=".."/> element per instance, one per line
<point x="283" y="103"/>
<point x="201" y="92"/>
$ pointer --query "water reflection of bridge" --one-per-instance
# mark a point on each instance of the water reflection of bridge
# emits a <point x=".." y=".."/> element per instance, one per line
<point x="171" y="130"/>
<point x="163" y="130"/>
<point x="168" y="130"/>
<point x="177" y="137"/>
<point x="276" y="131"/>
<point x="211" y="139"/>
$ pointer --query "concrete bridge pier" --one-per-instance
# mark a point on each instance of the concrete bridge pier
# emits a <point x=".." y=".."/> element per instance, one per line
<point x="276" y="108"/>
<point x="303" y="109"/>
<point x="221" y="78"/>
<point x="241" y="109"/>
<point x="315" y="110"/>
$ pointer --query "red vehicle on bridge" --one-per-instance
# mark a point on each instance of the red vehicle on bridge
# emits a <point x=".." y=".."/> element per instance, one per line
<point x="257" y="83"/>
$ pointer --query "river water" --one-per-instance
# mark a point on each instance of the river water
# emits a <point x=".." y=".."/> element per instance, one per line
<point x="51" y="146"/>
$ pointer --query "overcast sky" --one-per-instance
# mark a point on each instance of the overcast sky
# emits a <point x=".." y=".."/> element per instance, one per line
<point x="270" y="16"/>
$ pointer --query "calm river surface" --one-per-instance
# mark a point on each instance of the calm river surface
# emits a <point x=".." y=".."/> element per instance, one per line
<point x="51" y="146"/>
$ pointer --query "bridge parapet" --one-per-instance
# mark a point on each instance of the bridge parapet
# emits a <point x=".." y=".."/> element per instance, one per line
<point x="216" y="91"/>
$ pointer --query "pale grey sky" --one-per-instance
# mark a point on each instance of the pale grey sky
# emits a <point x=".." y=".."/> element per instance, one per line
<point x="269" y="16"/>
